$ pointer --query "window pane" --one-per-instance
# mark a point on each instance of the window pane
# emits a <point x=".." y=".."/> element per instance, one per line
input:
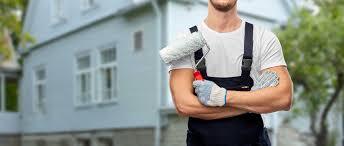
<point x="84" y="88"/>
<point x="108" y="55"/>
<point x="40" y="74"/>
<point x="11" y="94"/>
<point x="138" y="40"/>
<point x="87" y="3"/>
<point x="84" y="62"/>
<point x="114" y="82"/>
<point x="57" y="8"/>
<point x="108" y="83"/>
<point x="40" y="97"/>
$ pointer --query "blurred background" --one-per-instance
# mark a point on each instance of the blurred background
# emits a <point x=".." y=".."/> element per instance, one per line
<point x="88" y="73"/>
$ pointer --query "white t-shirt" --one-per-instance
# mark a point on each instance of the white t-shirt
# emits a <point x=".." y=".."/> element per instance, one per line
<point x="227" y="49"/>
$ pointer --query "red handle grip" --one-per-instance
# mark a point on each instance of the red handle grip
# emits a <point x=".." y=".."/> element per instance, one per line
<point x="198" y="76"/>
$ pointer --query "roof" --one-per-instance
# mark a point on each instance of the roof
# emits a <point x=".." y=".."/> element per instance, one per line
<point x="119" y="12"/>
<point x="136" y="4"/>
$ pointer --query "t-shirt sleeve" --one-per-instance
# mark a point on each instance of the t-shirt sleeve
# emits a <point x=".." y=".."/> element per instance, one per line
<point x="185" y="62"/>
<point x="271" y="53"/>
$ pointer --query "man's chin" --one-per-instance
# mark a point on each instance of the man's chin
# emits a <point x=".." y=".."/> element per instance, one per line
<point x="223" y="7"/>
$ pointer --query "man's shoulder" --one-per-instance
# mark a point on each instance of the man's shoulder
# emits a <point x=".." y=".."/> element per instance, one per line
<point x="262" y="33"/>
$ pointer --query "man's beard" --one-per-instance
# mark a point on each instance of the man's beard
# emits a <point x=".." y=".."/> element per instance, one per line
<point x="223" y="7"/>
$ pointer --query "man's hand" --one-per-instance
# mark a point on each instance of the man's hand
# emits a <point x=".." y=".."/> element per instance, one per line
<point x="210" y="94"/>
<point x="187" y="104"/>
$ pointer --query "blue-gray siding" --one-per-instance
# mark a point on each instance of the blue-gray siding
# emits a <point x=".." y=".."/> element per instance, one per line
<point x="136" y="106"/>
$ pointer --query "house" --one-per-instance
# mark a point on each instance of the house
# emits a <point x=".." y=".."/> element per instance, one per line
<point x="9" y="76"/>
<point x="94" y="77"/>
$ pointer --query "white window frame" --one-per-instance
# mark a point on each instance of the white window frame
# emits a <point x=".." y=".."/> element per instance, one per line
<point x="86" y="5"/>
<point x="77" y="73"/>
<point x="57" y="15"/>
<point x="101" y="66"/>
<point x="2" y="93"/>
<point x="133" y="40"/>
<point x="37" y="82"/>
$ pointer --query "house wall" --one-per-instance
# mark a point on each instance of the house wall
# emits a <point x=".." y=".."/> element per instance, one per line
<point x="38" y="20"/>
<point x="10" y="140"/>
<point x="136" y="105"/>
<point x="9" y="123"/>
<point x="118" y="137"/>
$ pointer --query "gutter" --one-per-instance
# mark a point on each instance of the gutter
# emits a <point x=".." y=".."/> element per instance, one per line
<point x="157" y="132"/>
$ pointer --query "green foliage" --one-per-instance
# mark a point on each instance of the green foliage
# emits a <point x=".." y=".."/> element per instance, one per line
<point x="11" y="96"/>
<point x="314" y="49"/>
<point x="11" y="16"/>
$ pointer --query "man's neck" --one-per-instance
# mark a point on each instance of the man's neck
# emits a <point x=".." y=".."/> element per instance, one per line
<point x="222" y="21"/>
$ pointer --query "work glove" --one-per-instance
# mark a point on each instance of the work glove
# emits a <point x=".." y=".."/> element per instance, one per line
<point x="210" y="94"/>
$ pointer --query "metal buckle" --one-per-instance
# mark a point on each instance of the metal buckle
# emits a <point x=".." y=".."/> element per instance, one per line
<point x="246" y="64"/>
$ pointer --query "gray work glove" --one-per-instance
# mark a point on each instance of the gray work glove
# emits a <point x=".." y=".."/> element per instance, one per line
<point x="210" y="94"/>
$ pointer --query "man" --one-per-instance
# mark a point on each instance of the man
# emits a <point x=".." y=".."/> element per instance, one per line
<point x="222" y="109"/>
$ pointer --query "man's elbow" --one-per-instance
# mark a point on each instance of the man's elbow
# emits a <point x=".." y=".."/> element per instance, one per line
<point x="183" y="110"/>
<point x="287" y="101"/>
<point x="180" y="109"/>
<point x="284" y="103"/>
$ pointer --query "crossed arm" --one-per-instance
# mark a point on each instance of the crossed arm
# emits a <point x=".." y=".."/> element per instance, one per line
<point x="261" y="101"/>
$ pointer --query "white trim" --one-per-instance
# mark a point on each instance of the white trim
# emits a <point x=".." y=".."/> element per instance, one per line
<point x="56" y="17"/>
<point x="84" y="9"/>
<point x="77" y="73"/>
<point x="2" y="96"/>
<point x="101" y="66"/>
<point x="35" y="82"/>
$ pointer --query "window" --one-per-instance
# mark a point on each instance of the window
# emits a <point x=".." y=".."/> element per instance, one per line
<point x="138" y="40"/>
<point x="64" y="142"/>
<point x="41" y="142"/>
<point x="83" y="142"/>
<point x="108" y="75"/>
<point x="8" y="93"/>
<point x="56" y="10"/>
<point x="87" y="4"/>
<point x="83" y="80"/>
<point x="39" y="89"/>
<point x="105" y="141"/>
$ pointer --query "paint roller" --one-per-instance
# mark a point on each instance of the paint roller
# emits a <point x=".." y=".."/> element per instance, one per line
<point x="186" y="44"/>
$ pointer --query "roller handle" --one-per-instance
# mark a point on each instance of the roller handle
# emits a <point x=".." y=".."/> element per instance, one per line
<point x="198" y="76"/>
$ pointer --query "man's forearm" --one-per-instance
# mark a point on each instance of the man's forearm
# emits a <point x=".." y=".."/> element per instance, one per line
<point x="224" y="112"/>
<point x="265" y="100"/>
<point x="190" y="106"/>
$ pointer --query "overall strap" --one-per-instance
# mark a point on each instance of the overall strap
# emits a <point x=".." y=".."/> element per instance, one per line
<point x="248" y="51"/>
<point x="198" y="55"/>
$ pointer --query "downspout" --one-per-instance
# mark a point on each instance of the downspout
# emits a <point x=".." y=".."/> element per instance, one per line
<point x="158" y="19"/>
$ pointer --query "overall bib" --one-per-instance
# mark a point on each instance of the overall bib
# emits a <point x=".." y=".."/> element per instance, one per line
<point x="243" y="130"/>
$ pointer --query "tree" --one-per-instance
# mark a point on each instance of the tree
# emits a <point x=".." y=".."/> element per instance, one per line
<point x="12" y="13"/>
<point x="314" y="49"/>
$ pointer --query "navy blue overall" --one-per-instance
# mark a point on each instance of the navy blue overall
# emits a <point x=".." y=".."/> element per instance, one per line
<point x="243" y="130"/>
